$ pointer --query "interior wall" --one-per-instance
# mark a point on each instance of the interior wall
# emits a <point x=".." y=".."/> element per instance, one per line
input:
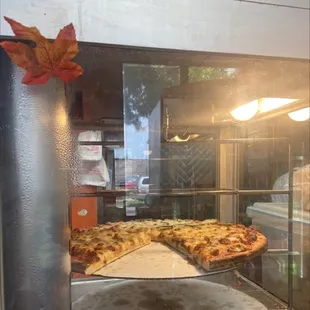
<point x="102" y="92"/>
<point x="226" y="26"/>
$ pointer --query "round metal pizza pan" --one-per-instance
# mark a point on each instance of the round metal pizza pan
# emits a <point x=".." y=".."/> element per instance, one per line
<point x="156" y="261"/>
<point x="167" y="295"/>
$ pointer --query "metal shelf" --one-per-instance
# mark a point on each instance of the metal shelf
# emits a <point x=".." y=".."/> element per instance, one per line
<point x="104" y="193"/>
<point x="185" y="192"/>
<point x="216" y="192"/>
<point x="216" y="141"/>
<point x="233" y="279"/>
<point x="232" y="141"/>
<point x="102" y="143"/>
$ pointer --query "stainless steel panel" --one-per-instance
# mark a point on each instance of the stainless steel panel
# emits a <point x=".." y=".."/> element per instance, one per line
<point x="230" y="279"/>
<point x="34" y="164"/>
<point x="1" y="260"/>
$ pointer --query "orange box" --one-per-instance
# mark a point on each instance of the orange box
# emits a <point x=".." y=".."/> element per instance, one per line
<point x="84" y="209"/>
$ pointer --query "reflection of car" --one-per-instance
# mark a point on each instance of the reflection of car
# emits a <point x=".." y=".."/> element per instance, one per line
<point x="129" y="182"/>
<point x="143" y="187"/>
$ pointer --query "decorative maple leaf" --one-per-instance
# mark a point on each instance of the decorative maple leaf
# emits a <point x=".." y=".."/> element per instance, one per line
<point x="45" y="59"/>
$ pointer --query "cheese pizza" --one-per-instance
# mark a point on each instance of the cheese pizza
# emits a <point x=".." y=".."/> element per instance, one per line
<point x="210" y="244"/>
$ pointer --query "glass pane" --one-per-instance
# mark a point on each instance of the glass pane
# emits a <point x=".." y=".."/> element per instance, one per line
<point x="144" y="86"/>
<point x="200" y="74"/>
<point x="189" y="136"/>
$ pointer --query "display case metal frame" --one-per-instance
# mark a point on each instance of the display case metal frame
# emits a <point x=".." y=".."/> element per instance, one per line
<point x="228" y="192"/>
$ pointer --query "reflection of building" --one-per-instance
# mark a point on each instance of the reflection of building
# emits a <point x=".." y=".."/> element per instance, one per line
<point x="133" y="167"/>
<point x="186" y="164"/>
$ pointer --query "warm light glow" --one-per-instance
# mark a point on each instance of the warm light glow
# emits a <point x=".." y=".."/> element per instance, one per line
<point x="177" y="138"/>
<point x="268" y="104"/>
<point x="300" y="115"/>
<point x="61" y="117"/>
<point x="246" y="111"/>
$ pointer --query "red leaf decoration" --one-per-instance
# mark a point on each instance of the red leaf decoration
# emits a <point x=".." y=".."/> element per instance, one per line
<point x="46" y="59"/>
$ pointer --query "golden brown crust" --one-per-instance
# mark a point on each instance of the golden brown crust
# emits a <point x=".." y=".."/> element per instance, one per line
<point x="234" y="259"/>
<point x="210" y="244"/>
<point x="94" y="248"/>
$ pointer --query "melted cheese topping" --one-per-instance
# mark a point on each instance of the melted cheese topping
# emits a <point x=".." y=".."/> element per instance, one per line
<point x="208" y="239"/>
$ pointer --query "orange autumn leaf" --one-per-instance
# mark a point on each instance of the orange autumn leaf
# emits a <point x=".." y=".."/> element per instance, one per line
<point x="46" y="59"/>
<point x="21" y="54"/>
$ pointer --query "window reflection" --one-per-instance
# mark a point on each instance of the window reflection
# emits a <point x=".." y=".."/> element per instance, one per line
<point x="144" y="86"/>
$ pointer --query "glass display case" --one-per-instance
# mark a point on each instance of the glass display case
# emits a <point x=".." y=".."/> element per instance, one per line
<point x="162" y="134"/>
<point x="198" y="136"/>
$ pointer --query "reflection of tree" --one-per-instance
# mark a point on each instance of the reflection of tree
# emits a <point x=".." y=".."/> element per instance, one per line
<point x="199" y="74"/>
<point x="144" y="85"/>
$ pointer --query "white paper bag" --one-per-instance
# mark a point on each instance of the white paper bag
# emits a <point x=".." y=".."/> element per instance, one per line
<point x="90" y="152"/>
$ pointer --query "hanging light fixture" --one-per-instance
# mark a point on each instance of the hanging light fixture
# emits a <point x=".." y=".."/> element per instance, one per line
<point x="245" y="111"/>
<point x="269" y="104"/>
<point x="300" y="115"/>
<point x="183" y="138"/>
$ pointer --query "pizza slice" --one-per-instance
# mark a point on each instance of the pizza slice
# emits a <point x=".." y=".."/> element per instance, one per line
<point x="218" y="245"/>
<point x="102" y="249"/>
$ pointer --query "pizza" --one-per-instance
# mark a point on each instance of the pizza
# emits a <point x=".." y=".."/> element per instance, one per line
<point x="210" y="244"/>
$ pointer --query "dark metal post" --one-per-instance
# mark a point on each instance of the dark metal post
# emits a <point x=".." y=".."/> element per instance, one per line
<point x="35" y="157"/>
<point x="290" y="231"/>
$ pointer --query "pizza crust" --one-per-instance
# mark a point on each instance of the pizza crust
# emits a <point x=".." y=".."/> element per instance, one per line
<point x="84" y="268"/>
<point x="235" y="259"/>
